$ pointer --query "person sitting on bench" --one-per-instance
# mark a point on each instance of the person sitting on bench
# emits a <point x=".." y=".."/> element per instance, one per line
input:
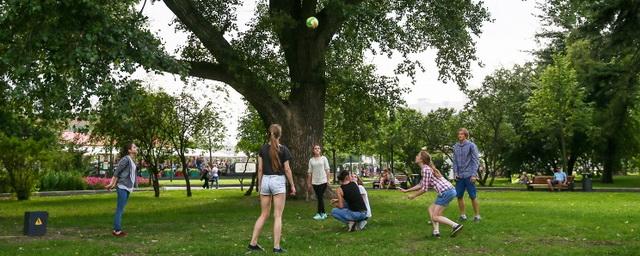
<point x="524" y="179"/>
<point x="386" y="179"/>
<point x="559" y="178"/>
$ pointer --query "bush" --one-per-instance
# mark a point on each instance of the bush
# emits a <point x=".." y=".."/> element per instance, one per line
<point x="61" y="181"/>
<point x="4" y="182"/>
<point x="100" y="183"/>
<point x="96" y="182"/>
<point x="143" y="182"/>
<point x="22" y="159"/>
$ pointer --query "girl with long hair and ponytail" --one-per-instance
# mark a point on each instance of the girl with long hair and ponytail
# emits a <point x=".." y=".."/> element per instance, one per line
<point x="273" y="173"/>
<point x="432" y="178"/>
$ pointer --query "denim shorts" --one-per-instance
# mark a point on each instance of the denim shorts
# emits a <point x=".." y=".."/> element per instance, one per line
<point x="445" y="197"/>
<point x="463" y="184"/>
<point x="273" y="185"/>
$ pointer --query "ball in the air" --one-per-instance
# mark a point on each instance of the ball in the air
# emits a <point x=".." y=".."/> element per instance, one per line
<point x="312" y="22"/>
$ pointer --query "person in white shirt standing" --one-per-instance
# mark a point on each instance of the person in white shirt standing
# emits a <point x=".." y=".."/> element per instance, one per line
<point x="318" y="177"/>
<point x="214" y="176"/>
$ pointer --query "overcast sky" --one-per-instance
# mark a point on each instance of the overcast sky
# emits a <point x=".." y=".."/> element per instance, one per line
<point x="503" y="43"/>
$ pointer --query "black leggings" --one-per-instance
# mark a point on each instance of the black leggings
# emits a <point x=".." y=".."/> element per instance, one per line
<point x="319" y="189"/>
<point x="206" y="182"/>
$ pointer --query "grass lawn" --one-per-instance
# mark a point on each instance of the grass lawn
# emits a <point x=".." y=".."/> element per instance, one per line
<point x="220" y="223"/>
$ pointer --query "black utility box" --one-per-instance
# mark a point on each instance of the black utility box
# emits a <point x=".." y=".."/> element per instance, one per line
<point x="35" y="223"/>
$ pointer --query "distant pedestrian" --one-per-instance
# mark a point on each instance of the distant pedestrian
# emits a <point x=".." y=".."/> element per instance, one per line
<point x="214" y="176"/>
<point x="204" y="176"/>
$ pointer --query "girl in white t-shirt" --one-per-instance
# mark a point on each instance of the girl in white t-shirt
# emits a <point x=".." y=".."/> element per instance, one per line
<point x="318" y="177"/>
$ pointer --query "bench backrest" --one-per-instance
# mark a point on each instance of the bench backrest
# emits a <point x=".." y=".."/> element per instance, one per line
<point x="401" y="177"/>
<point x="543" y="179"/>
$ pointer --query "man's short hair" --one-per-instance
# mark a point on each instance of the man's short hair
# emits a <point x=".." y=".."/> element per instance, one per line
<point x="465" y="131"/>
<point x="343" y="174"/>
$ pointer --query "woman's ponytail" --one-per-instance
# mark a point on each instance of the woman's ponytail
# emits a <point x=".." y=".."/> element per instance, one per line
<point x="275" y="131"/>
<point x="426" y="159"/>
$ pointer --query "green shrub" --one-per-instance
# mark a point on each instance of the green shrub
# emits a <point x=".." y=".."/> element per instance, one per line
<point x="4" y="182"/>
<point x="22" y="159"/>
<point x="60" y="181"/>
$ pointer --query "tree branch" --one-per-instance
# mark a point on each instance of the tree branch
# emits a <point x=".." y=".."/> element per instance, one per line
<point x="286" y="32"/>
<point x="331" y="19"/>
<point x="230" y="68"/>
<point x="212" y="38"/>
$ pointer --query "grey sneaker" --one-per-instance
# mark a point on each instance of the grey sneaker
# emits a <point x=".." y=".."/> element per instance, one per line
<point x="362" y="224"/>
<point x="462" y="218"/>
<point x="476" y="219"/>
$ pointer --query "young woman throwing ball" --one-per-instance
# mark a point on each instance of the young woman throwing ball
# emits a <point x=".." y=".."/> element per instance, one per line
<point x="432" y="178"/>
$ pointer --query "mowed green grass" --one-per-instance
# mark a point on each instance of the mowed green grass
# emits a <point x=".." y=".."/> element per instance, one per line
<point x="220" y="223"/>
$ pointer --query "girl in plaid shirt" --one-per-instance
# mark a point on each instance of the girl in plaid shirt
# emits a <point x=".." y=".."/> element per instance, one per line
<point x="432" y="178"/>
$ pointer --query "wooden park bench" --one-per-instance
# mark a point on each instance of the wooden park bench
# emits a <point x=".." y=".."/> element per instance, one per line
<point x="541" y="182"/>
<point x="400" y="180"/>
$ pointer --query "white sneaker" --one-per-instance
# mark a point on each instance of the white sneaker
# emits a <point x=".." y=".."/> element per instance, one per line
<point x="351" y="226"/>
<point x="362" y="224"/>
<point x="318" y="216"/>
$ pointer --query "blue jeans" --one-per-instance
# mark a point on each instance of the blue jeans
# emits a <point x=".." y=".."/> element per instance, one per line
<point x="123" y="196"/>
<point x="345" y="215"/>
<point x="463" y="184"/>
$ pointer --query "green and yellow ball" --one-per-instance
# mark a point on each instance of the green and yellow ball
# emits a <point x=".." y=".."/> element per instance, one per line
<point x="312" y="22"/>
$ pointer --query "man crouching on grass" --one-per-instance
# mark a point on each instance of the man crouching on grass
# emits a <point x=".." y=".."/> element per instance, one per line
<point x="350" y="207"/>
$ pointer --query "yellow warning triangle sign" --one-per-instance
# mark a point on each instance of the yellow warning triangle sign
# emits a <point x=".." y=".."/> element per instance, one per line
<point x="38" y="222"/>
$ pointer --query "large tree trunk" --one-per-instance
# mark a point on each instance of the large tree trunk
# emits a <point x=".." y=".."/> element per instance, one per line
<point x="300" y="132"/>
